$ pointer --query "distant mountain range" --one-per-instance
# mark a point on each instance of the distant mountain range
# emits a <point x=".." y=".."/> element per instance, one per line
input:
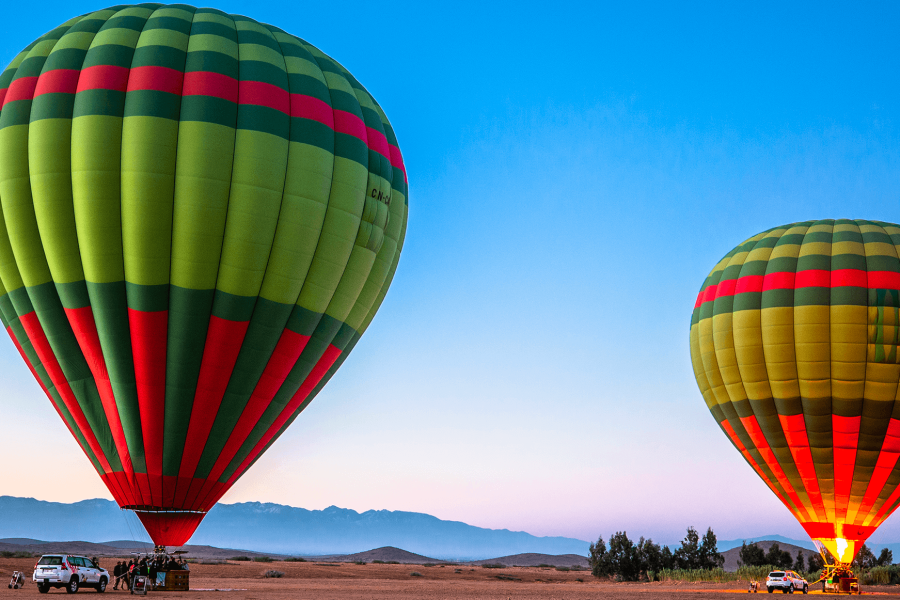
<point x="280" y="529"/>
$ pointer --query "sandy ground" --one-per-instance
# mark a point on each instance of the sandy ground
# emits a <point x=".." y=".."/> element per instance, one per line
<point x="245" y="581"/>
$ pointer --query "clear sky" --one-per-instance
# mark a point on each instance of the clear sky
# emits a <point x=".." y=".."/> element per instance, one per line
<point x="575" y="171"/>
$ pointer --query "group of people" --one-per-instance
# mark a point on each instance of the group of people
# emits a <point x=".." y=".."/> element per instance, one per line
<point x="125" y="572"/>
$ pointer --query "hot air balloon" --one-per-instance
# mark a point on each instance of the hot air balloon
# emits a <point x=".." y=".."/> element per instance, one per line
<point x="794" y="340"/>
<point x="201" y="215"/>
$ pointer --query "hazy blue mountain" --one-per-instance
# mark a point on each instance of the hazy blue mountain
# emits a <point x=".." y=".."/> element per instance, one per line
<point x="282" y="529"/>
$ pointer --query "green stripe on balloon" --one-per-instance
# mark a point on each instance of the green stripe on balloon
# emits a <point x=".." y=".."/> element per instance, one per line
<point x="256" y="189"/>
<point x="205" y="159"/>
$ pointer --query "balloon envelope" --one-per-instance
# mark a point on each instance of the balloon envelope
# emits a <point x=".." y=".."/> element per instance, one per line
<point x="201" y="214"/>
<point x="794" y="340"/>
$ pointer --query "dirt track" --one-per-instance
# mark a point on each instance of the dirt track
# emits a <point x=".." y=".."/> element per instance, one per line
<point x="244" y="581"/>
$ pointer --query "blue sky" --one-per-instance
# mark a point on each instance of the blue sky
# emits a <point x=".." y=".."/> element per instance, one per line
<point x="575" y="171"/>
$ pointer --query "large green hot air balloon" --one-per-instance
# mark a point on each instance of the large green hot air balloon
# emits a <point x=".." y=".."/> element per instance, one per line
<point x="201" y="214"/>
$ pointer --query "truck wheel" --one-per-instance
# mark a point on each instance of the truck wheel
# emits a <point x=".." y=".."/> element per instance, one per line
<point x="805" y="588"/>
<point x="73" y="585"/>
<point x="101" y="587"/>
<point x="770" y="590"/>
<point x="43" y="589"/>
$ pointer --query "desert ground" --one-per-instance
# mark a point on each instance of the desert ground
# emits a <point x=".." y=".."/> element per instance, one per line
<point x="325" y="581"/>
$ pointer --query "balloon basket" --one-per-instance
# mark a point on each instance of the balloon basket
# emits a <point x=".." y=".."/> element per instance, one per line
<point x="839" y="579"/>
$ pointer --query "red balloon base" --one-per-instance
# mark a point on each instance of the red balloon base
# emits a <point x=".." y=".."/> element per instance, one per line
<point x="170" y="528"/>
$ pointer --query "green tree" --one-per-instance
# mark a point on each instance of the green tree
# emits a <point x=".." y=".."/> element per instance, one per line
<point x="667" y="558"/>
<point x="778" y="558"/>
<point x="815" y="563"/>
<point x="649" y="555"/>
<point x="886" y="558"/>
<point x="751" y="555"/>
<point x="709" y="556"/>
<point x="799" y="562"/>
<point x="688" y="556"/>
<point x="864" y="558"/>
<point x="624" y="561"/>
<point x="598" y="559"/>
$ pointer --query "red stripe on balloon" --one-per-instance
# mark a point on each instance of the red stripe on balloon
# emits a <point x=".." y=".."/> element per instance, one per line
<point x="142" y="483"/>
<point x="200" y="489"/>
<point x="20" y="89"/>
<point x="127" y="483"/>
<point x="114" y="485"/>
<point x="845" y="433"/>
<point x="779" y="281"/>
<point x="3" y="95"/>
<point x="819" y="530"/>
<point x="350" y="124"/>
<point x="889" y="506"/>
<point x="283" y="359"/>
<point x="725" y="288"/>
<point x="259" y="93"/>
<point x="45" y="354"/>
<point x="158" y="79"/>
<point x="149" y="333"/>
<point x="802" y="279"/>
<point x="103" y="77"/>
<point x="308" y="107"/>
<point x="883" y="280"/>
<point x="378" y="142"/>
<point x="397" y="160"/>
<point x="206" y="83"/>
<point x="217" y="490"/>
<point x="169" y="486"/>
<point x="706" y="294"/>
<point x="220" y="353"/>
<point x="182" y="485"/>
<point x="324" y="363"/>
<point x="57" y="81"/>
<point x="85" y="329"/>
<point x="188" y="490"/>
<point x="794" y="428"/>
<point x="762" y="446"/>
<point x="887" y="459"/>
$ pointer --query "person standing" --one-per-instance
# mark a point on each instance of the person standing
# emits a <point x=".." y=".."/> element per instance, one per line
<point x="132" y="571"/>
<point x="117" y="572"/>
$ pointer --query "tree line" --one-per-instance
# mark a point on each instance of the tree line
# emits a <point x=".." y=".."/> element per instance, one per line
<point x="754" y="556"/>
<point x="626" y="560"/>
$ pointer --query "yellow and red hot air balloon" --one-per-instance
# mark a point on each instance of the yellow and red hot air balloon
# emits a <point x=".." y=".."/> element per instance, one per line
<point x="201" y="215"/>
<point x="794" y="344"/>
